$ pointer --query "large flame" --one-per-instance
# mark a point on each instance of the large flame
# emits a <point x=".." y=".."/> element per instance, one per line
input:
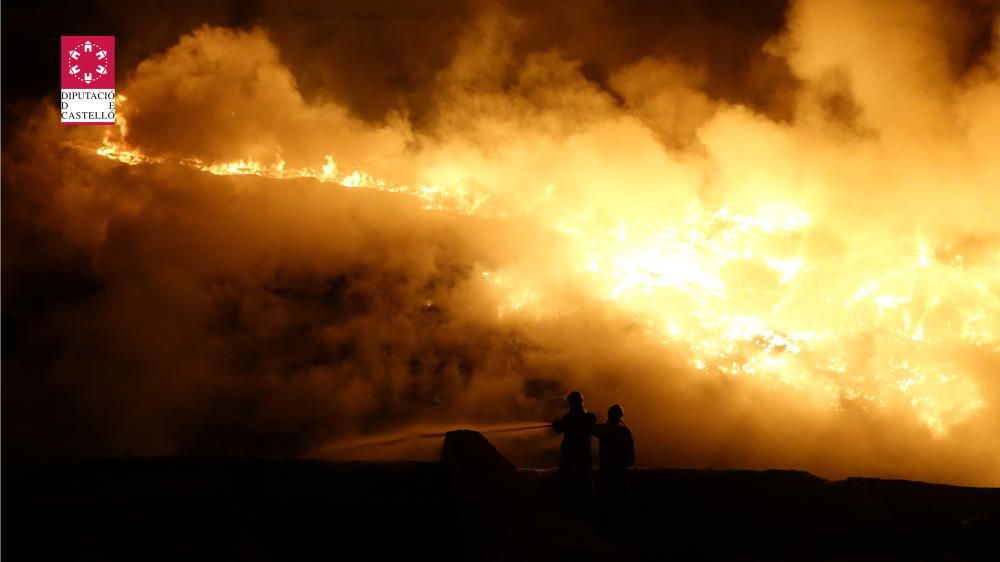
<point x="738" y="289"/>
<point x="114" y="146"/>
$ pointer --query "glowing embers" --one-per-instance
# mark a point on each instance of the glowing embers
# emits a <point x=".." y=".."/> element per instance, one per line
<point x="513" y="295"/>
<point x="691" y="256"/>
<point x="938" y="395"/>
<point x="750" y="296"/>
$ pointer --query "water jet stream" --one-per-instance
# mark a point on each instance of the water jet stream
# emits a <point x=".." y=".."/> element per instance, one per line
<point x="392" y="439"/>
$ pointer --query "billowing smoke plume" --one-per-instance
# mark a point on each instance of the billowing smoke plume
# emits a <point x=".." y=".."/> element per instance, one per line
<point x="780" y="253"/>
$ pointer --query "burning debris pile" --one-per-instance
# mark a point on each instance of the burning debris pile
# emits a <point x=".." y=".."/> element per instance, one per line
<point x="808" y="280"/>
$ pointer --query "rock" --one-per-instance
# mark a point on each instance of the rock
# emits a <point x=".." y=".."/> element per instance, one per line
<point x="469" y="451"/>
<point x="488" y="492"/>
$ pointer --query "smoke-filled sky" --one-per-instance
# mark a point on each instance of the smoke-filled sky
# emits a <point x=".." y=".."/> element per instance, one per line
<point x="769" y="231"/>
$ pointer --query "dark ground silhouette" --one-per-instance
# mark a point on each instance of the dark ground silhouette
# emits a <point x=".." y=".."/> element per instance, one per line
<point x="473" y="506"/>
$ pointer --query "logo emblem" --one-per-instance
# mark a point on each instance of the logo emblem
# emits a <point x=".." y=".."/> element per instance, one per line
<point x="88" y="80"/>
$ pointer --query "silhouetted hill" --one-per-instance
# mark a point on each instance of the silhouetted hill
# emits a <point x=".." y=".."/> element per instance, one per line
<point x="474" y="506"/>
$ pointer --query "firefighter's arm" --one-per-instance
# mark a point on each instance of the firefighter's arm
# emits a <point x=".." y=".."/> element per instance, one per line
<point x="597" y="430"/>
